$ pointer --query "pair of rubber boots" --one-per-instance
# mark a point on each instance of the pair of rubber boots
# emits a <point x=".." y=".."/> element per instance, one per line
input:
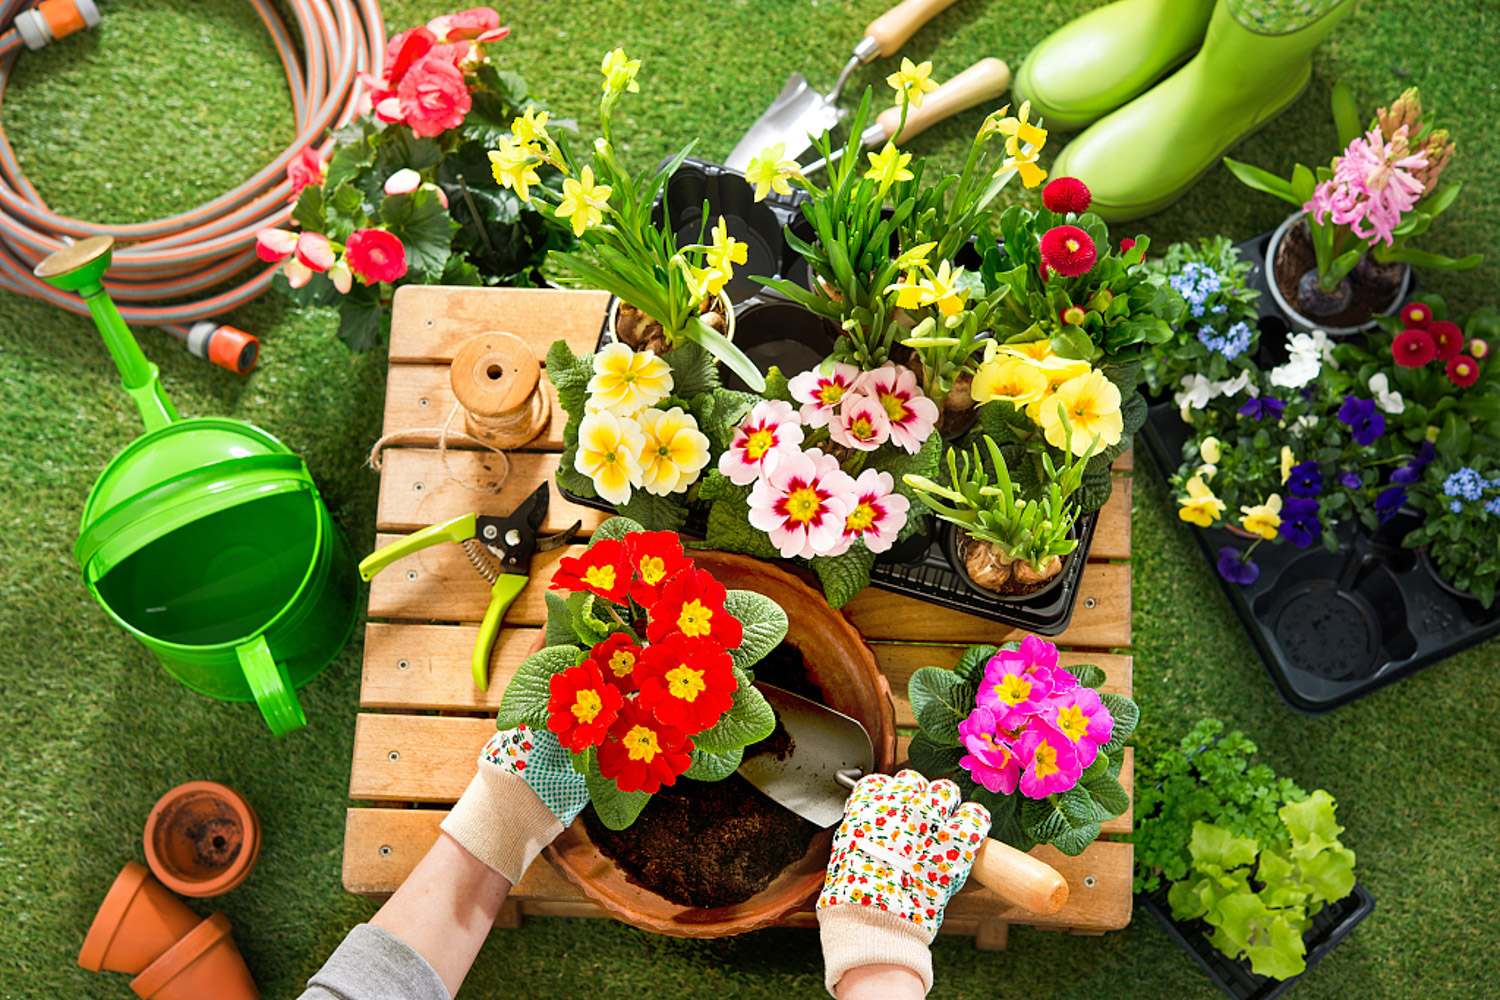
<point x="1145" y="145"/>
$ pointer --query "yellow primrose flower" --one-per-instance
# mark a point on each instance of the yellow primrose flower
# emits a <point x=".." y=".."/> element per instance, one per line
<point x="769" y="171"/>
<point x="674" y="452"/>
<point x="513" y="165"/>
<point x="1287" y="461"/>
<point x="911" y="81"/>
<point x="726" y="250"/>
<point x="942" y="290"/>
<point x="584" y="201"/>
<point x="608" y="450"/>
<point x="1263" y="519"/>
<point x="1200" y="506"/>
<point x="888" y="166"/>
<point x="531" y="127"/>
<point x="627" y="381"/>
<point x="1011" y="380"/>
<point x="1211" y="450"/>
<point x="1092" y="405"/>
<point x="915" y="257"/>
<point x="619" y="72"/>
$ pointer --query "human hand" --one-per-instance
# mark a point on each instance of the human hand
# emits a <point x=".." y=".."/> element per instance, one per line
<point x="904" y="848"/>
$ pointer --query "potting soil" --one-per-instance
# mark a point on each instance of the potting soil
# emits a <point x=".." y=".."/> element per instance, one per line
<point x="1295" y="257"/>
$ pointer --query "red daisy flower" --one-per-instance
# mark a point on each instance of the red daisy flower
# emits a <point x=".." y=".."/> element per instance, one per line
<point x="1463" y="371"/>
<point x="1068" y="250"/>
<point x="1127" y="244"/>
<point x="1479" y="348"/>
<point x="692" y="602"/>
<point x="582" y="706"/>
<point x="1447" y="337"/>
<point x="617" y="657"/>
<point x="654" y="557"/>
<point x="1066" y="194"/>
<point x="602" y="569"/>
<point x="686" y="683"/>
<point x="1415" y="314"/>
<point x="1073" y="316"/>
<point x="1413" y="348"/>
<point x="642" y="754"/>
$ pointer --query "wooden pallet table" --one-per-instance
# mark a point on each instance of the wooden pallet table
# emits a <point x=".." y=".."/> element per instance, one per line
<point x="422" y="721"/>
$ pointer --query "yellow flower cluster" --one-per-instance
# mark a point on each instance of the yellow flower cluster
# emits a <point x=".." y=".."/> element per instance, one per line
<point x="1023" y="143"/>
<point x="718" y="262"/>
<point x="1056" y="393"/>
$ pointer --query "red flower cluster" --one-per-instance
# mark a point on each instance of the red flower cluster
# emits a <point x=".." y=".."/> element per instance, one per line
<point x="1066" y="194"/>
<point x="1068" y="250"/>
<point x="422" y="82"/>
<point x="1426" y="339"/>
<point x="641" y="704"/>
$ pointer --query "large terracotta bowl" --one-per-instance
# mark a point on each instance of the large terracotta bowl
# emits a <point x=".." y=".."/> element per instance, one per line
<point x="839" y="662"/>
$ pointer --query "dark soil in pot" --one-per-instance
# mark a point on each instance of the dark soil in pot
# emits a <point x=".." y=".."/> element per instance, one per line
<point x="1373" y="287"/>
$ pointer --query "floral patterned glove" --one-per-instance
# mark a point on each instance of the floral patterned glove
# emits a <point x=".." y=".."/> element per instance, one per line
<point x="523" y="795"/>
<point x="904" y="848"/>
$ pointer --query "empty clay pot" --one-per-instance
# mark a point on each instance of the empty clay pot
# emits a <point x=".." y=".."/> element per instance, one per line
<point x="137" y="922"/>
<point x="204" y="965"/>
<point x="202" y="839"/>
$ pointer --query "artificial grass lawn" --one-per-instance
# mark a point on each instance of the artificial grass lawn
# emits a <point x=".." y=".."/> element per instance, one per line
<point x="171" y="102"/>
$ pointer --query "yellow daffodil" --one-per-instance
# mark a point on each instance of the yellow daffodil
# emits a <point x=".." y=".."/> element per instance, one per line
<point x="726" y="250"/>
<point x="1036" y="350"/>
<point x="1200" y="506"/>
<point x="705" y="280"/>
<point x="531" y="127"/>
<point x="769" y="171"/>
<point x="1287" y="461"/>
<point x="944" y="290"/>
<point x="1263" y="519"/>
<point x="608" y="453"/>
<point x="514" y="166"/>
<point x="1091" y="403"/>
<point x="911" y="81"/>
<point x="1024" y="163"/>
<point x="1211" y="450"/>
<point x="1009" y="379"/>
<point x="674" y="450"/>
<point x="626" y="381"/>
<point x="584" y="201"/>
<point x="1018" y="130"/>
<point x="619" y="72"/>
<point x="888" y="166"/>
<point x="909" y="293"/>
<point x="915" y="257"/>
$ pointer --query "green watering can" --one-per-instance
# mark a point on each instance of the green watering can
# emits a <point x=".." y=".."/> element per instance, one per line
<point x="206" y="538"/>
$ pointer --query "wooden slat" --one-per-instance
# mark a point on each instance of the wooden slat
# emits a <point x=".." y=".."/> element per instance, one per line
<point x="417" y="488"/>
<point x="1126" y="462"/>
<point x="415" y="758"/>
<point x="1112" y="533"/>
<point x="430" y="322"/>
<point x="898" y="661"/>
<point x="427" y="666"/>
<point x="418" y="400"/>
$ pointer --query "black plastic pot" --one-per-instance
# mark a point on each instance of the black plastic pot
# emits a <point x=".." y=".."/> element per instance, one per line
<point x="1331" y="925"/>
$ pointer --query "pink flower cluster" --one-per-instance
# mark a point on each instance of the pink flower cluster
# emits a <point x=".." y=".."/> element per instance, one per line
<point x="1372" y="187"/>
<point x="422" y="82"/>
<point x="864" y="410"/>
<point x="373" y="255"/>
<point x="1033" y="724"/>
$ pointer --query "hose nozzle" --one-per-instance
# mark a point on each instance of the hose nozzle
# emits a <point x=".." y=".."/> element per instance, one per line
<point x="54" y="19"/>
<point x="226" y="346"/>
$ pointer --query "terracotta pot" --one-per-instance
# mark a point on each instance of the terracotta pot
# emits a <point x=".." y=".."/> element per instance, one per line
<point x="136" y="923"/>
<point x="204" y="965"/>
<point x="840" y="663"/>
<point x="202" y="839"/>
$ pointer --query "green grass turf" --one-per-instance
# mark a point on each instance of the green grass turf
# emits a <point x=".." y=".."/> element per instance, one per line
<point x="172" y="101"/>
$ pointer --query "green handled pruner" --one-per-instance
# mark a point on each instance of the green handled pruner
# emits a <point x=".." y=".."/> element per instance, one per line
<point x="500" y="549"/>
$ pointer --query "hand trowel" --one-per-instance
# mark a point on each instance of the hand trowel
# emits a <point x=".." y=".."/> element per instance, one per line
<point x="830" y="752"/>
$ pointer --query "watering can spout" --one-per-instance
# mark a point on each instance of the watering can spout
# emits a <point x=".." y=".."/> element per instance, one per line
<point x="80" y="268"/>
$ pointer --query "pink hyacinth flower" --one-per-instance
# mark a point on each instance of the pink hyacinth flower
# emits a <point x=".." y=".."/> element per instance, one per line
<point x="861" y="424"/>
<point x="274" y="245"/>
<point x="314" y="252"/>
<point x="912" y="415"/>
<point x="821" y="395"/>
<point x="1372" y="187"/>
<point x="1080" y="718"/>
<point x="878" y="514"/>
<point x="802" y="503"/>
<point x="990" y="761"/>
<point x="1050" y="762"/>
<point x="769" y="429"/>
<point x="1010" y="691"/>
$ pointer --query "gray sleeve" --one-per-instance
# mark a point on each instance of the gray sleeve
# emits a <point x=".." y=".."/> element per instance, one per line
<point x="374" y="964"/>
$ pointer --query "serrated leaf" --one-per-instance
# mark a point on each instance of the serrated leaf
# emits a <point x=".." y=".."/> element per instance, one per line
<point x="749" y="720"/>
<point x="1064" y="820"/>
<point x="616" y="809"/>
<point x="1311" y="824"/>
<point x="972" y="661"/>
<point x="654" y="513"/>
<point x="1109" y="796"/>
<point x="1089" y="675"/>
<point x="525" y="701"/>
<point x="730" y="530"/>
<point x="931" y="759"/>
<point x="615" y="529"/>
<point x="1127" y="715"/>
<point x="714" y="766"/>
<point x="693" y="370"/>
<point x="764" y="623"/>
<point x="588" y="627"/>
<point x="1215" y="849"/>
<point x="844" y="576"/>
<point x="940" y="700"/>
<point x="778" y="386"/>
<point x="1005" y="815"/>
<point x="422" y="224"/>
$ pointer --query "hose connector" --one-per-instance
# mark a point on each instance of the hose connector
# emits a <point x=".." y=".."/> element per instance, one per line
<point x="54" y="19"/>
<point x="226" y="346"/>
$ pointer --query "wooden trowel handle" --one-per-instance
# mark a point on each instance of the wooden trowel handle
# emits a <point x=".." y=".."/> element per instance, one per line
<point x="1020" y="879"/>
<point x="891" y="29"/>
<point x="984" y="81"/>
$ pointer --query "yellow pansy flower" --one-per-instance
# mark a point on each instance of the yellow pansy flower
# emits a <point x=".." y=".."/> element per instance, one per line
<point x="531" y="127"/>
<point x="888" y="166"/>
<point x="1287" y="461"/>
<point x="1263" y="519"/>
<point x="911" y="81"/>
<point x="619" y="72"/>
<point x="514" y="166"/>
<point x="1211" y="449"/>
<point x="1010" y="379"/>
<point x="726" y="250"/>
<point x="584" y="201"/>
<point x="1200" y="506"/>
<point x="608" y="453"/>
<point x="627" y="381"/>
<point x="674" y="450"/>
<point x="769" y="171"/>
<point x="1092" y="405"/>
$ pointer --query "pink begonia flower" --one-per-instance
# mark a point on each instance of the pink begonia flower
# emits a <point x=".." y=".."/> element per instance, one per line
<point x="1010" y="691"/>
<point x="376" y="256"/>
<point x="403" y="181"/>
<point x="1081" y="718"/>
<point x="820" y="394"/>
<point x="297" y="273"/>
<point x="1372" y="186"/>
<point x="990" y="761"/>
<point x="480" y="24"/>
<point x="769" y="428"/>
<point x="342" y="277"/>
<point x="274" y="245"/>
<point x="879" y="512"/>
<point x="306" y="168"/>
<point x="1050" y="762"/>
<point x="861" y="424"/>
<point x="314" y="251"/>
<point x="802" y="503"/>
<point x="434" y="97"/>
<point x="913" y="416"/>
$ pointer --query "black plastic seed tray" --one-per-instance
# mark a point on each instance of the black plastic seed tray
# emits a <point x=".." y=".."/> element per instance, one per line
<point x="1330" y="926"/>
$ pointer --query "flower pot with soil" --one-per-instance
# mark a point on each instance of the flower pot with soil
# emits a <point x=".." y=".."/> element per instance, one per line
<point x="205" y="963"/>
<point x="202" y="839"/>
<point x="988" y="568"/>
<point x="1369" y="290"/>
<point x="137" y="922"/>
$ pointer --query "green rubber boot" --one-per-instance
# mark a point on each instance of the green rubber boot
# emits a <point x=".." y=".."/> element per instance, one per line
<point x="1145" y="156"/>
<point x="1090" y="66"/>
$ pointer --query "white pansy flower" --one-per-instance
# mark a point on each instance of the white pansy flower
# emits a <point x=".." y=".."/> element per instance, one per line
<point x="1388" y="400"/>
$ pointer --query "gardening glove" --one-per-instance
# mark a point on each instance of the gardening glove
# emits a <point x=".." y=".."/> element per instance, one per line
<point x="904" y="848"/>
<point x="525" y="793"/>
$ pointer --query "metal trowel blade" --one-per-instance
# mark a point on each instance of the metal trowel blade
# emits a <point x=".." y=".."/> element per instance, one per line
<point x="798" y="112"/>
<point x="824" y="742"/>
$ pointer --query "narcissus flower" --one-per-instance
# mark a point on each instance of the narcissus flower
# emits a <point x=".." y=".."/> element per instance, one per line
<point x="1081" y="718"/>
<point x="1011" y="380"/>
<point x="1462" y="371"/>
<point x="888" y="166"/>
<point x="820" y="394"/>
<point x="802" y="503"/>
<point x="375" y="256"/>
<point x="581" y="706"/>
<point x="1091" y="405"/>
<point x="911" y="81"/>
<point x="861" y="424"/>
<point x="769" y="171"/>
<point x="655" y="556"/>
<point x="602" y="569"/>
<point x="609" y="449"/>
<point x="770" y="429"/>
<point x="514" y="166"/>
<point x="686" y="683"/>
<point x="619" y="72"/>
<point x="912" y="415"/>
<point x="642" y="754"/>
<point x="1447" y="338"/>
<point x="1066" y="194"/>
<point x="726" y="251"/>
<point x="1288" y="460"/>
<point x="945" y="290"/>
<point x="531" y="127"/>
<point x="879" y="512"/>
<point x="1263" y="519"/>
<point x="1413" y="348"/>
<point x="1416" y="314"/>
<point x="674" y="453"/>
<point x="616" y="658"/>
<point x="1068" y="250"/>
<point x="1050" y="761"/>
<point x="989" y="761"/>
<point x="1019" y="135"/>
<point x="692" y="602"/>
<point x="583" y="201"/>
<point x="1200" y="506"/>
<point x="626" y="381"/>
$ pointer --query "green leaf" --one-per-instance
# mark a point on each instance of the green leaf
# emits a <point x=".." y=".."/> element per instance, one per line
<point x="1454" y="439"/>
<point x="559" y="621"/>
<point x="714" y="766"/>
<point x="1311" y="824"/>
<point x="1109" y="797"/>
<point x="931" y="759"/>
<point x="1066" y="820"/>
<point x="401" y="148"/>
<point x="1345" y="114"/>
<point x="615" y="529"/>
<point x="1005" y="814"/>
<point x="749" y="720"/>
<point x="1330" y="875"/>
<point x="693" y="370"/>
<point x="1127" y="715"/>
<point x="525" y="701"/>
<point x="940" y="700"/>
<point x="1217" y="850"/>
<point x="588" y="627"/>
<point x="422" y="224"/>
<point x="1097" y="486"/>
<point x="1088" y="675"/>
<point x="308" y="212"/>
<point x="778" y="386"/>
<point x="764" y="623"/>
<point x="654" y="513"/>
<point x="362" y="319"/>
<point x="1261" y="180"/>
<point x="733" y="358"/>
<point x="345" y="212"/>
<point x="972" y="661"/>
<point x="845" y="575"/>
<point x="616" y="809"/>
<point x="729" y="527"/>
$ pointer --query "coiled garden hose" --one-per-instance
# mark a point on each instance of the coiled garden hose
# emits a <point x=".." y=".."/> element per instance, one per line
<point x="195" y="252"/>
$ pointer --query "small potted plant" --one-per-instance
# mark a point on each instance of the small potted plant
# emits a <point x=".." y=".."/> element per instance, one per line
<point x="1343" y="257"/>
<point x="1219" y="336"/>
<point x="404" y="193"/>
<point x="1034" y="743"/>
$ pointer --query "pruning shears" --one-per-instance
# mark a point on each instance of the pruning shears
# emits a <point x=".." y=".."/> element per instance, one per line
<point x="500" y="549"/>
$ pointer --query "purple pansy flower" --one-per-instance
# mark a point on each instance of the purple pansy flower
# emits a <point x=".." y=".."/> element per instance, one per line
<point x="1364" y="423"/>
<point x="1390" y="500"/>
<point x="1262" y="408"/>
<point x="1305" y="480"/>
<point x="1235" y="568"/>
<point x="1299" y="521"/>
<point x="1349" y="480"/>
<point x="1412" y="470"/>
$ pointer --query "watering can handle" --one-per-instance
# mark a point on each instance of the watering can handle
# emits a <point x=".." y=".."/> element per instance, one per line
<point x="271" y="686"/>
<point x="456" y="530"/>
